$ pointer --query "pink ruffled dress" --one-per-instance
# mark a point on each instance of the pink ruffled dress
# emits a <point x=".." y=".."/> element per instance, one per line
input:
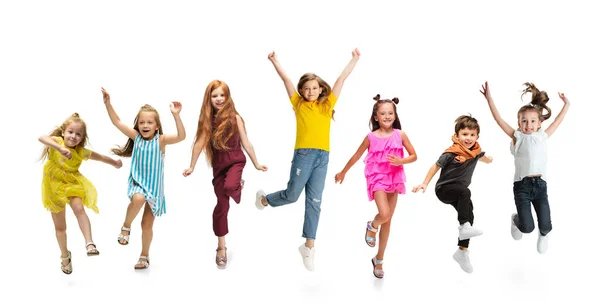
<point x="380" y="174"/>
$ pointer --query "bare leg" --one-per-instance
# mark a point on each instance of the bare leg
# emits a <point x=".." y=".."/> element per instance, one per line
<point x="60" y="226"/>
<point x="82" y="219"/>
<point x="137" y="201"/>
<point x="147" y="232"/>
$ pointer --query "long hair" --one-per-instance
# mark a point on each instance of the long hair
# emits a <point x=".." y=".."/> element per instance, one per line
<point x="538" y="102"/>
<point x="127" y="149"/>
<point x="374" y="124"/>
<point x="225" y="118"/>
<point x="323" y="102"/>
<point x="59" y="130"/>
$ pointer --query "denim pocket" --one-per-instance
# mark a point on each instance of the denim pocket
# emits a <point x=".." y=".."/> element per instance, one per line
<point x="303" y="152"/>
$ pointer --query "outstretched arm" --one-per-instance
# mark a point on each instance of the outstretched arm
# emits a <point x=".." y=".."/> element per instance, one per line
<point x="339" y="83"/>
<point x="195" y="154"/>
<point x="361" y="149"/>
<point x="124" y="128"/>
<point x="503" y="125"/>
<point x="486" y="159"/>
<point x="289" y="86"/>
<point x="247" y="145"/>
<point x="117" y="163"/>
<point x="173" y="139"/>
<point x="432" y="171"/>
<point x="550" y="130"/>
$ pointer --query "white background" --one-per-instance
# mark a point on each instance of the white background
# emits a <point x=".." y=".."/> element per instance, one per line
<point x="433" y="55"/>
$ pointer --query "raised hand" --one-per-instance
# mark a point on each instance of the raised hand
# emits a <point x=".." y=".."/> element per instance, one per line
<point x="563" y="97"/>
<point x="105" y="95"/>
<point x="355" y="53"/>
<point x="272" y="56"/>
<point x="175" y="107"/>
<point x="485" y="91"/>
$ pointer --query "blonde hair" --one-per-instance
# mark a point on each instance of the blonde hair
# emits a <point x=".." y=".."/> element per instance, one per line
<point x="59" y="131"/>
<point x="127" y="149"/>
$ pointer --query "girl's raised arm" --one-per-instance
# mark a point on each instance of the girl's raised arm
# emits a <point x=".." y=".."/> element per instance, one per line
<point x="289" y="86"/>
<point x="114" y="118"/>
<point x="550" y="130"/>
<point x="361" y="149"/>
<point x="172" y="139"/>
<point x="339" y="83"/>
<point x="117" y="163"/>
<point x="248" y="146"/>
<point x="503" y="125"/>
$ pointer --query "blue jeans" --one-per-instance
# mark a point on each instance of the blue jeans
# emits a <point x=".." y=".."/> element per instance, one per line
<point x="309" y="169"/>
<point x="532" y="190"/>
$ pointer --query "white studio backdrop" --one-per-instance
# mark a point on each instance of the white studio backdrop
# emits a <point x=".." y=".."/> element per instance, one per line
<point x="433" y="55"/>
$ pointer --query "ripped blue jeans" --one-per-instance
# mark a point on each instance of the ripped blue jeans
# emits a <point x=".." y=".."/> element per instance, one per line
<point x="309" y="169"/>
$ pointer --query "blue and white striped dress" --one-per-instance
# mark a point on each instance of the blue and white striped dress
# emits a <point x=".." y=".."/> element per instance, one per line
<point x="147" y="173"/>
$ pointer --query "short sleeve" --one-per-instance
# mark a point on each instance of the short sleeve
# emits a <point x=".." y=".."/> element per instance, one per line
<point x="518" y="134"/>
<point x="444" y="159"/>
<point x="86" y="153"/>
<point x="58" y="140"/>
<point x="332" y="99"/>
<point x="295" y="99"/>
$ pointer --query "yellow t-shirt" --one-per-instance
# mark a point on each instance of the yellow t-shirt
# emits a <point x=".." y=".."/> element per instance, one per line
<point x="312" y="125"/>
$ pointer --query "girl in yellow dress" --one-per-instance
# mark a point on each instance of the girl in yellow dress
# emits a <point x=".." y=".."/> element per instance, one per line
<point x="62" y="183"/>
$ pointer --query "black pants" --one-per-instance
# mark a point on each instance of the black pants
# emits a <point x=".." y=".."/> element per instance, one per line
<point x="460" y="198"/>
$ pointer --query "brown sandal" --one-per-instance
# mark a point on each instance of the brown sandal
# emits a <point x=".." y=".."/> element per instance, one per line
<point x="221" y="260"/>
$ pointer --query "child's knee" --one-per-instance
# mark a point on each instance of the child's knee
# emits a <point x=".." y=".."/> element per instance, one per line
<point x="138" y="199"/>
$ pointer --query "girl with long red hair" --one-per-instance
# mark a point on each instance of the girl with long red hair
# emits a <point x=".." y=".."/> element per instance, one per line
<point x="221" y="134"/>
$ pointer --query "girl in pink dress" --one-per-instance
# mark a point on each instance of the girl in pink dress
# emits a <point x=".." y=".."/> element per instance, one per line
<point x="384" y="172"/>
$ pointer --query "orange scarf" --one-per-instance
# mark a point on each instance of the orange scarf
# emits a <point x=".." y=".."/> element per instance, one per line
<point x="462" y="153"/>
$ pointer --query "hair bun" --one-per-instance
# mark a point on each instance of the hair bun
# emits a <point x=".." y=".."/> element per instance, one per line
<point x="75" y="115"/>
<point x="395" y="100"/>
<point x="376" y="98"/>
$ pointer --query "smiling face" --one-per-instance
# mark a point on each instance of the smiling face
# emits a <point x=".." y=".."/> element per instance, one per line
<point x="147" y="124"/>
<point x="74" y="134"/>
<point x="217" y="98"/>
<point x="467" y="137"/>
<point x="385" y="115"/>
<point x="529" y="121"/>
<point x="311" y="90"/>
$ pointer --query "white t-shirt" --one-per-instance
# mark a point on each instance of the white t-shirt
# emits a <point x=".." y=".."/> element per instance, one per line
<point x="531" y="153"/>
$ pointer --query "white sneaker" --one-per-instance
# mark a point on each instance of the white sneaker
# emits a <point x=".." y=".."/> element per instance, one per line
<point x="466" y="231"/>
<point x="514" y="230"/>
<point x="259" y="195"/>
<point x="462" y="257"/>
<point x="308" y="257"/>
<point x="542" y="244"/>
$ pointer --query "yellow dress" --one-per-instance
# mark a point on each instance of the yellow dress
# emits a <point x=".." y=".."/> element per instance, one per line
<point x="62" y="180"/>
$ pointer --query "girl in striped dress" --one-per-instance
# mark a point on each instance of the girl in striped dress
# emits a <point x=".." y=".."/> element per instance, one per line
<point x="146" y="147"/>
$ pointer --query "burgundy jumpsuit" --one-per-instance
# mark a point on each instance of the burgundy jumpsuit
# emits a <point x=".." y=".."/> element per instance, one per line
<point x="227" y="175"/>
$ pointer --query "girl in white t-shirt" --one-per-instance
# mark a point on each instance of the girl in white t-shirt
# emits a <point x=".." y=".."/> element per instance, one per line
<point x="529" y="148"/>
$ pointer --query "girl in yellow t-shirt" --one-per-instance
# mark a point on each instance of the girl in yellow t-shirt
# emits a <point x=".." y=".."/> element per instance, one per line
<point x="62" y="182"/>
<point x="313" y="104"/>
